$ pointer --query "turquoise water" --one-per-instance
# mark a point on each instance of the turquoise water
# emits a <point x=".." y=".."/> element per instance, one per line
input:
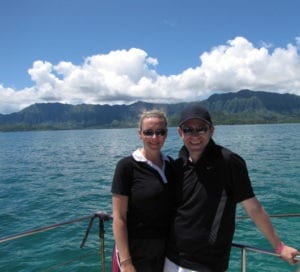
<point x="48" y="177"/>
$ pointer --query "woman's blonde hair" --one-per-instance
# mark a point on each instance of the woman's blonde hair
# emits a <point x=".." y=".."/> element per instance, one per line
<point x="153" y="113"/>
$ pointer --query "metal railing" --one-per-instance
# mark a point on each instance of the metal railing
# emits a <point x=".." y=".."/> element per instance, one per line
<point x="245" y="248"/>
<point x="103" y="216"/>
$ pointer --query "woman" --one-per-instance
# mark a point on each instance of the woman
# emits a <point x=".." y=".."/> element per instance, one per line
<point x="142" y="199"/>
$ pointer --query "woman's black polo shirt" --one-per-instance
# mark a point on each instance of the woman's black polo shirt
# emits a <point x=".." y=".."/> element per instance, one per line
<point x="150" y="201"/>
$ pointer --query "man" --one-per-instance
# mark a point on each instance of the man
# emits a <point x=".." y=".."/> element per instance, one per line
<point x="212" y="180"/>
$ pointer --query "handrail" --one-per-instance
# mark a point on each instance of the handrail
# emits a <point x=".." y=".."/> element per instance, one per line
<point x="103" y="216"/>
<point x="99" y="214"/>
<point x="278" y="215"/>
<point x="255" y="249"/>
<point x="106" y="216"/>
<point x="244" y="249"/>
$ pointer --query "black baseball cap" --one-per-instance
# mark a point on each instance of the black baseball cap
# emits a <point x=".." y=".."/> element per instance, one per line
<point x="195" y="111"/>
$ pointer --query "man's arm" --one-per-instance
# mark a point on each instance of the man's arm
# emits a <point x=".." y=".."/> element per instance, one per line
<point x="262" y="220"/>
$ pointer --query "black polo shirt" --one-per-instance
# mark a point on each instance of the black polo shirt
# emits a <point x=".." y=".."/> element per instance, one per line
<point x="207" y="193"/>
<point x="151" y="199"/>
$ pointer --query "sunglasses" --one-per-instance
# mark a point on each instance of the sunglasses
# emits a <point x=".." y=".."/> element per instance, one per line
<point x="157" y="132"/>
<point x="194" y="131"/>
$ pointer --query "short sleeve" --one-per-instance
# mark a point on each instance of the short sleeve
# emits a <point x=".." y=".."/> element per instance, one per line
<point x="241" y="184"/>
<point x="122" y="177"/>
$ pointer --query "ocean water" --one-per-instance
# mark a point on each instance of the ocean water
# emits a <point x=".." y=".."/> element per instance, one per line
<point x="48" y="177"/>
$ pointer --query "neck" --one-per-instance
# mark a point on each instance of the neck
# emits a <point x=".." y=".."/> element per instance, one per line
<point x="194" y="157"/>
<point x="154" y="157"/>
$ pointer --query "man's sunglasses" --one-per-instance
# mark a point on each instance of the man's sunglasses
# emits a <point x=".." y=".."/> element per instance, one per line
<point x="195" y="131"/>
<point x="157" y="132"/>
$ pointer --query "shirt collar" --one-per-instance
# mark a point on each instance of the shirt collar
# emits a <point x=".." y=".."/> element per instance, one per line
<point x="138" y="156"/>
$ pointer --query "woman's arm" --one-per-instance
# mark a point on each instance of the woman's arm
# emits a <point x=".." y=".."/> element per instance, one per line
<point x="119" y="205"/>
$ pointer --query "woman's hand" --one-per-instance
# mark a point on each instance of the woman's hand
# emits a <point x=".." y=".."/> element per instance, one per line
<point x="127" y="266"/>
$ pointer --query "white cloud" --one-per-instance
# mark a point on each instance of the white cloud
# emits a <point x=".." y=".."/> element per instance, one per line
<point x="125" y="76"/>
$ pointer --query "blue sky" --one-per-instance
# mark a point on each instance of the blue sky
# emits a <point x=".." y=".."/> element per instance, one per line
<point x="118" y="51"/>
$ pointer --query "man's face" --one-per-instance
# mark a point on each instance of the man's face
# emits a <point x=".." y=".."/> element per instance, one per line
<point x="195" y="134"/>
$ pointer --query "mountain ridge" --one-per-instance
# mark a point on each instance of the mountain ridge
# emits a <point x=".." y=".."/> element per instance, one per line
<point x="242" y="107"/>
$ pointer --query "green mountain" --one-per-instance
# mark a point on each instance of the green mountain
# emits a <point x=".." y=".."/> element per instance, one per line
<point x="249" y="107"/>
<point x="243" y="107"/>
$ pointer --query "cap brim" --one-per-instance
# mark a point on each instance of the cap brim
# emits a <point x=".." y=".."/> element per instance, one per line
<point x="194" y="117"/>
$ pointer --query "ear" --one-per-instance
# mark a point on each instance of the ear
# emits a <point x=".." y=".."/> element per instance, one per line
<point x="179" y="132"/>
<point x="211" y="130"/>
<point x="140" y="133"/>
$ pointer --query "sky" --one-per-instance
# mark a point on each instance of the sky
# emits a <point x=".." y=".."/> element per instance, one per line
<point x="165" y="51"/>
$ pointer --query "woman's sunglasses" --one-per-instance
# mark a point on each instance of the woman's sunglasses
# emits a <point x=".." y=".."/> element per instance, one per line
<point x="157" y="132"/>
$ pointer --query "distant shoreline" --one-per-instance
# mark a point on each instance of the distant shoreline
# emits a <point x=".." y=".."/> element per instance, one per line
<point x="243" y="107"/>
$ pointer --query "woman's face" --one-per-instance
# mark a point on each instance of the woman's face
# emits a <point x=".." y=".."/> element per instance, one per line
<point x="153" y="133"/>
